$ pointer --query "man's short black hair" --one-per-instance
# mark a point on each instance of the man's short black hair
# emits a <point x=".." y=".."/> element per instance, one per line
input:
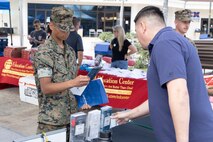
<point x="36" y="21"/>
<point x="150" y="11"/>
<point x="75" y="21"/>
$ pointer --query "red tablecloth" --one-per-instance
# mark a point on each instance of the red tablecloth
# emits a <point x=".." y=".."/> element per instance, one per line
<point x="123" y="92"/>
<point x="11" y="69"/>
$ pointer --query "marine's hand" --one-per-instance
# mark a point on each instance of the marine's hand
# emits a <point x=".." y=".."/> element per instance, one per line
<point x="85" y="106"/>
<point x="121" y="117"/>
<point x="81" y="80"/>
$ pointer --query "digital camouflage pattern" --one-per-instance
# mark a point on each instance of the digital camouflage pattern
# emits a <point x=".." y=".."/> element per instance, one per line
<point x="62" y="17"/>
<point x="55" y="109"/>
<point x="183" y="15"/>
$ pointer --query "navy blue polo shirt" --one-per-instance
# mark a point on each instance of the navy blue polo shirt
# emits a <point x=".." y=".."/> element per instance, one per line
<point x="75" y="41"/>
<point x="171" y="57"/>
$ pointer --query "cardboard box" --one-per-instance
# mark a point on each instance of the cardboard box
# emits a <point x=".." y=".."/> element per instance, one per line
<point x="77" y="127"/>
<point x="28" y="53"/>
<point x="106" y="112"/>
<point x="13" y="52"/>
<point x="27" y="90"/>
<point x="93" y="124"/>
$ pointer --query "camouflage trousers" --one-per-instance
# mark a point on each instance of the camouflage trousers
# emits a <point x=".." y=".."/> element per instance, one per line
<point x="46" y="128"/>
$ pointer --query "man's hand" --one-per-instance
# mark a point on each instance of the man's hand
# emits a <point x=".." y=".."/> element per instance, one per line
<point x="121" y="117"/>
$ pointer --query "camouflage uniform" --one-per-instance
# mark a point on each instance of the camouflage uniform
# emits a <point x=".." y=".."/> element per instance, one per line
<point x="60" y="65"/>
<point x="185" y="15"/>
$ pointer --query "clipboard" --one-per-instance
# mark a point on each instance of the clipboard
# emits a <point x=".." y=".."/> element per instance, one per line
<point x="93" y="72"/>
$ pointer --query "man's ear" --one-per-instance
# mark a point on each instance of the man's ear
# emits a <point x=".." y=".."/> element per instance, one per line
<point x="176" y="22"/>
<point x="51" y="25"/>
<point x="143" y="26"/>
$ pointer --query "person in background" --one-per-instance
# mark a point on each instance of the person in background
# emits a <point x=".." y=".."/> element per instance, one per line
<point x="38" y="36"/>
<point x="183" y="19"/>
<point x="121" y="48"/>
<point x="178" y="102"/>
<point x="55" y="72"/>
<point x="75" y="41"/>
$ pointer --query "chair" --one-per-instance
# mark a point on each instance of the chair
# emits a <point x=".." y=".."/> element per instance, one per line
<point x="92" y="32"/>
<point x="99" y="31"/>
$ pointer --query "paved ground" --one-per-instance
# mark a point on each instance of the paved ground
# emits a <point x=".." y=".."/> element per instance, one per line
<point x="17" y="119"/>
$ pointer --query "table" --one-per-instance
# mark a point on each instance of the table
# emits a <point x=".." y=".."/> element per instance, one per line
<point x="11" y="69"/>
<point x="123" y="92"/>
<point x="138" y="130"/>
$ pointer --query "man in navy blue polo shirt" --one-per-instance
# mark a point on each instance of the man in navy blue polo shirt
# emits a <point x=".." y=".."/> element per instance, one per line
<point x="178" y="103"/>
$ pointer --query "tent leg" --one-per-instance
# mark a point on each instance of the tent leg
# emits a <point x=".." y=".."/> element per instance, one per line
<point x="10" y="29"/>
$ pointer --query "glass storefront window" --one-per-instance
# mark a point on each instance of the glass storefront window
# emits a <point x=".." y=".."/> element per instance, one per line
<point x="73" y="7"/>
<point x="92" y="17"/>
<point x="88" y="21"/>
<point x="88" y="8"/>
<point x="112" y="8"/>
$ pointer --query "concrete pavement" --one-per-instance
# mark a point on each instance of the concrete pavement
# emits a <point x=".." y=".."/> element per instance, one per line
<point x="17" y="119"/>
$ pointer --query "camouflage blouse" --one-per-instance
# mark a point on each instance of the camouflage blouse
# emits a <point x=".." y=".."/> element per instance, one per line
<point x="60" y="65"/>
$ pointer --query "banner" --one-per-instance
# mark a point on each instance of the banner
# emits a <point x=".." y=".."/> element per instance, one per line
<point x="11" y="69"/>
<point x="124" y="92"/>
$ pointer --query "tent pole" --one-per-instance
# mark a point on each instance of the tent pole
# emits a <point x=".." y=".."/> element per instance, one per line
<point x="10" y="28"/>
<point x="165" y="9"/>
<point x="21" y="22"/>
<point x="122" y="13"/>
<point x="209" y="21"/>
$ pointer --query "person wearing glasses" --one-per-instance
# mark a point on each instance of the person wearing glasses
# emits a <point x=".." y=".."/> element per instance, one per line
<point x="121" y="48"/>
<point x="55" y="70"/>
<point x="38" y="36"/>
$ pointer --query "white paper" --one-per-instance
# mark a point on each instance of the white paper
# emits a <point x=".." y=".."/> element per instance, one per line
<point x="106" y="121"/>
<point x="78" y="90"/>
<point x="79" y="129"/>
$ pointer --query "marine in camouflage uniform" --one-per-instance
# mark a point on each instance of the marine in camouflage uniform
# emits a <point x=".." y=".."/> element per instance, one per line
<point x="183" y="19"/>
<point x="58" y="64"/>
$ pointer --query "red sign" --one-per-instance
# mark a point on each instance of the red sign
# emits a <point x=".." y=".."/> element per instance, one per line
<point x="11" y="69"/>
<point x="124" y="92"/>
